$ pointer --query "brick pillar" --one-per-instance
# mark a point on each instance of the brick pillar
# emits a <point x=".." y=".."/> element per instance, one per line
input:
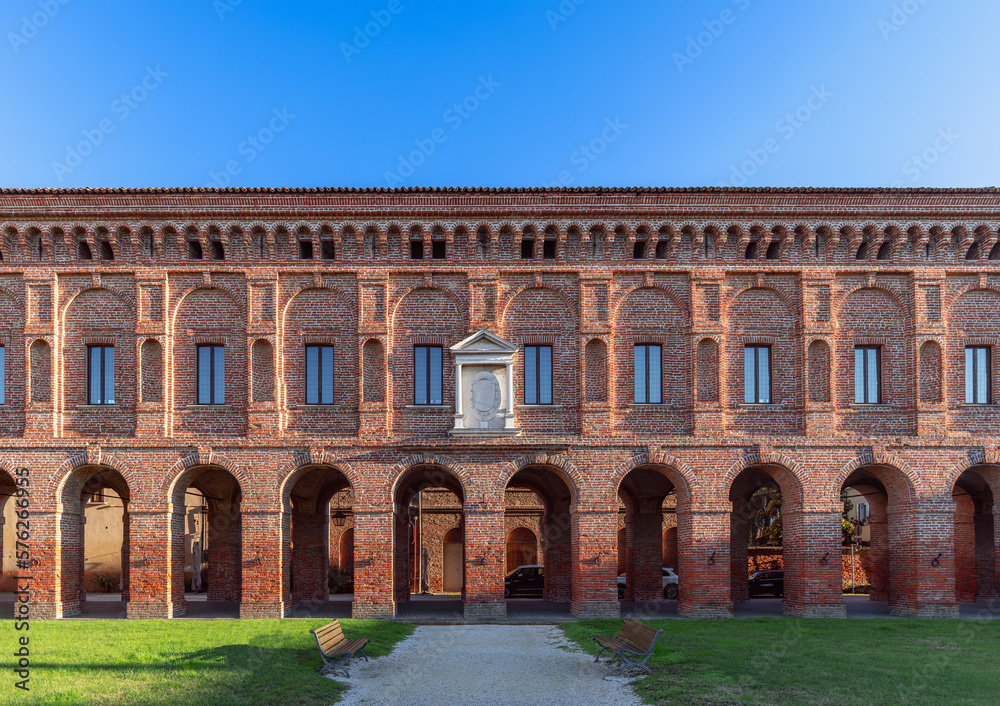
<point x="264" y="561"/>
<point x="149" y="573"/>
<point x="42" y="578"/>
<point x="485" y="547"/>
<point x="989" y="570"/>
<point x="878" y="544"/>
<point x="739" y="551"/>
<point x="224" y="554"/>
<point x="557" y="540"/>
<point x="704" y="568"/>
<point x="965" y="549"/>
<point x="930" y="590"/>
<point x="402" y="557"/>
<point x="125" y="549"/>
<point x="813" y="565"/>
<point x="595" y="581"/>
<point x="72" y="593"/>
<point x="310" y="554"/>
<point x="373" y="565"/>
<point x="175" y="560"/>
<point x="644" y="575"/>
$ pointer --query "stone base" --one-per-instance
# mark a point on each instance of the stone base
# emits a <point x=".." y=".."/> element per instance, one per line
<point x="705" y="609"/>
<point x="37" y="611"/>
<point x="262" y="609"/>
<point x="148" y="610"/>
<point x="936" y="610"/>
<point x="819" y="610"/>
<point x="373" y="610"/>
<point x="595" y="610"/>
<point x="485" y="611"/>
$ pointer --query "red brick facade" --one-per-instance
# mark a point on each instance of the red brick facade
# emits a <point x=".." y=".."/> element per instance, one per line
<point x="702" y="273"/>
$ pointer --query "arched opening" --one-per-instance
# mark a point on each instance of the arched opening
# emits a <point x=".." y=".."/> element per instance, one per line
<point x="882" y="548"/>
<point x="452" y="561"/>
<point x="541" y="494"/>
<point x="647" y="511"/>
<point x="208" y="548"/>
<point x="976" y="578"/>
<point x="94" y="529"/>
<point x="321" y="561"/>
<point x="428" y="503"/>
<point x="522" y="548"/>
<point x="8" y="530"/>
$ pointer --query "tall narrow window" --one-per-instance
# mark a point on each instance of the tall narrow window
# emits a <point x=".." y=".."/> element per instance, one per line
<point x="978" y="387"/>
<point x="427" y="375"/>
<point x="868" y="375"/>
<point x="538" y="374"/>
<point x="757" y="375"/>
<point x="319" y="374"/>
<point x="648" y="375"/>
<point x="211" y="375"/>
<point x="100" y="375"/>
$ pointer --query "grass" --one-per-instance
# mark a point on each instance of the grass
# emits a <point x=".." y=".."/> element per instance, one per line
<point x="153" y="662"/>
<point x="795" y="661"/>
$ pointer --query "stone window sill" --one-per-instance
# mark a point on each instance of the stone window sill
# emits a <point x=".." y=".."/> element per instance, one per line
<point x="865" y="407"/>
<point x="208" y="407"/>
<point x="99" y="406"/>
<point x="763" y="406"/>
<point x="989" y="407"/>
<point x="428" y="407"/>
<point x="642" y="405"/>
<point x="320" y="407"/>
<point x="540" y="406"/>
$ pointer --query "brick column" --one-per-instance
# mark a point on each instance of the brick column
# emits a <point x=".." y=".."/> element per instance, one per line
<point x="485" y="546"/>
<point x="42" y="577"/>
<point x="813" y="564"/>
<point x="595" y="579"/>
<point x="644" y="575"/>
<point x="739" y="551"/>
<point x="373" y="565"/>
<point x="264" y="561"/>
<point x="225" y="554"/>
<point x="149" y="572"/>
<point x="965" y="549"/>
<point x="931" y="594"/>
<point x="704" y="563"/>
<point x="174" y="570"/>
<point x="310" y="558"/>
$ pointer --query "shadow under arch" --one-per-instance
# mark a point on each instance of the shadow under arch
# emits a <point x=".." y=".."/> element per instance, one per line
<point x="975" y="546"/>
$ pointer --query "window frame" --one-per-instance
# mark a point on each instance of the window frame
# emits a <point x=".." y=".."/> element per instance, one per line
<point x="426" y="378"/>
<point x="321" y="347"/>
<point x="101" y="398"/>
<point x="538" y="376"/>
<point x="976" y="372"/>
<point x="865" y="381"/>
<point x="214" y="399"/>
<point x="635" y="377"/>
<point x="756" y="348"/>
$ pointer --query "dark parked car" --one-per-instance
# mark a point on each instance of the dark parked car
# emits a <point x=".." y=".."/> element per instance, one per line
<point x="525" y="580"/>
<point x="767" y="583"/>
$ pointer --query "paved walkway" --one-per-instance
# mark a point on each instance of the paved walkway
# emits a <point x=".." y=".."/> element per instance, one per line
<point x="484" y="664"/>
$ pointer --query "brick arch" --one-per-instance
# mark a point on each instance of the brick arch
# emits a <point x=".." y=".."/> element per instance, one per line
<point x="678" y="471"/>
<point x="182" y="471"/>
<point x="560" y="465"/>
<point x="221" y="287"/>
<point x="792" y="306"/>
<point x="512" y="294"/>
<point x="764" y="458"/>
<point x="305" y="461"/>
<point x="973" y="458"/>
<point x="15" y="297"/>
<point x="331" y="288"/>
<point x="463" y="476"/>
<point x="462" y="306"/>
<point x="91" y="457"/>
<point x="957" y="296"/>
<point x="106" y="287"/>
<point x="672" y="295"/>
<point x="877" y="457"/>
<point x="842" y="301"/>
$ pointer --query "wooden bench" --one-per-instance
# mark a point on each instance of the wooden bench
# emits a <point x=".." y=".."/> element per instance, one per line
<point x="335" y="649"/>
<point x="633" y="645"/>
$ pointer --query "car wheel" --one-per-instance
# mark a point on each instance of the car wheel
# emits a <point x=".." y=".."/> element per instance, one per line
<point x="670" y="591"/>
<point x="506" y="592"/>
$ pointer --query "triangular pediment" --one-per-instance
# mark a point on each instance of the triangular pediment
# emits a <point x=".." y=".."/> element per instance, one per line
<point x="483" y="341"/>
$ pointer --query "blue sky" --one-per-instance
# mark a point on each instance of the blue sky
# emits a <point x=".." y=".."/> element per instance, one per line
<point x="575" y="93"/>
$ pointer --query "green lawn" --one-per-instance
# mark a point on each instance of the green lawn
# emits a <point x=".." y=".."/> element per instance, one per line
<point x="793" y="661"/>
<point x="183" y="661"/>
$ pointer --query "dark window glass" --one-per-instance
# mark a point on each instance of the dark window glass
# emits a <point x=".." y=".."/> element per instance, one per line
<point x="538" y="374"/>
<point x="218" y="250"/>
<point x="84" y="251"/>
<point x="416" y="250"/>
<point x="305" y="250"/>
<point x="328" y="248"/>
<point x="978" y="383"/>
<point x="427" y="375"/>
<point x="527" y="249"/>
<point x="639" y="250"/>
<point x="100" y="375"/>
<point x="107" y="253"/>
<point x="648" y="374"/>
<point x="549" y="249"/>
<point x="211" y="375"/>
<point x="194" y="250"/>
<point x="867" y="375"/>
<point x="319" y="374"/>
<point x="757" y="375"/>
<point x="439" y="249"/>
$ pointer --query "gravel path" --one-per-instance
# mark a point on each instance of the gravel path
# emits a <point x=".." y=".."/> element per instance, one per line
<point x="484" y="664"/>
